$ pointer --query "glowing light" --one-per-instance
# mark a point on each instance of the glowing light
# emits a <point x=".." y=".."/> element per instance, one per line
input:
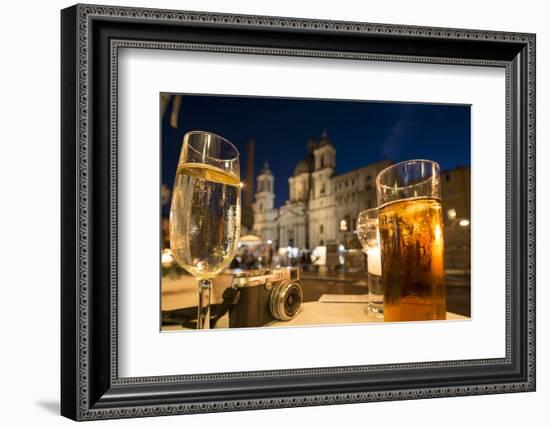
<point x="374" y="262"/>
<point x="343" y="225"/>
<point x="451" y="214"/>
<point x="166" y="257"/>
<point x="241" y="185"/>
<point x="269" y="242"/>
<point x="437" y="233"/>
<point x="437" y="251"/>
<point x="464" y="222"/>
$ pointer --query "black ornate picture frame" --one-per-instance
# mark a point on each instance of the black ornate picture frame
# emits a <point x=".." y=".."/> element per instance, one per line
<point x="90" y="38"/>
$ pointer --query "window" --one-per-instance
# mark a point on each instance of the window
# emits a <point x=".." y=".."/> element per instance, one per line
<point x="290" y="236"/>
<point x="322" y="161"/>
<point x="447" y="177"/>
<point x="323" y="189"/>
<point x="352" y="182"/>
<point x="321" y="229"/>
<point x="368" y="185"/>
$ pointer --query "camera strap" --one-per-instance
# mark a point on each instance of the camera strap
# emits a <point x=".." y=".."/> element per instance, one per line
<point x="230" y="298"/>
<point x="187" y="317"/>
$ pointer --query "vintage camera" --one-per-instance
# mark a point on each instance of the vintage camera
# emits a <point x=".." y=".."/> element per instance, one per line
<point x="259" y="297"/>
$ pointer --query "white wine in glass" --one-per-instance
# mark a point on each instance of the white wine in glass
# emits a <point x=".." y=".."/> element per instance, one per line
<point x="205" y="215"/>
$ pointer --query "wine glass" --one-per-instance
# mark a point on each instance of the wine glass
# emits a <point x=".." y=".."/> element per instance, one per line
<point x="205" y="214"/>
<point x="368" y="234"/>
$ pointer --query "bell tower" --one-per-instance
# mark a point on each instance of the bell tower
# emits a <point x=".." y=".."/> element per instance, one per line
<point x="325" y="166"/>
<point x="265" y="192"/>
<point x="265" y="215"/>
<point x="325" y="154"/>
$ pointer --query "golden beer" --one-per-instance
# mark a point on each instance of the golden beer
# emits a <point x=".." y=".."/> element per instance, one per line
<point x="413" y="272"/>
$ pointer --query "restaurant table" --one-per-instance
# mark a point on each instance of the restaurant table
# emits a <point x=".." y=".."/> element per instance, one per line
<point x="325" y="313"/>
<point x="319" y="313"/>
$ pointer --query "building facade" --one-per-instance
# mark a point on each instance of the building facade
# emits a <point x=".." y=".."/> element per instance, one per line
<point x="322" y="207"/>
<point x="455" y="195"/>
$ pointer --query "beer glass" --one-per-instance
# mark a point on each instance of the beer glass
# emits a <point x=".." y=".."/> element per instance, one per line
<point x="205" y="214"/>
<point x="368" y="234"/>
<point x="411" y="241"/>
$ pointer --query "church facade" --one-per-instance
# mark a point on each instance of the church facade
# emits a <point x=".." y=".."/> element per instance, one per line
<point x="322" y="207"/>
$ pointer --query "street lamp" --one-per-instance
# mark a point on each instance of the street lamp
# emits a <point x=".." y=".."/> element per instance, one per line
<point x="451" y="214"/>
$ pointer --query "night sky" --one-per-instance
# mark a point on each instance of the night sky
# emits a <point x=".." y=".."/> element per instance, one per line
<point x="362" y="132"/>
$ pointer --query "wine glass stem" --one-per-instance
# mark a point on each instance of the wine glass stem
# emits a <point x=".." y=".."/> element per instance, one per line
<point x="203" y="320"/>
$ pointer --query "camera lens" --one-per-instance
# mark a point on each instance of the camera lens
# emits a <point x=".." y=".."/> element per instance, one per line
<point x="285" y="300"/>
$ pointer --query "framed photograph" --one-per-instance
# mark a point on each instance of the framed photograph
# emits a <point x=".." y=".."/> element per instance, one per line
<point x="263" y="212"/>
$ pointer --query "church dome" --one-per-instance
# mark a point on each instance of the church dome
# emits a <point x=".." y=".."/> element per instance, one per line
<point x="304" y="166"/>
